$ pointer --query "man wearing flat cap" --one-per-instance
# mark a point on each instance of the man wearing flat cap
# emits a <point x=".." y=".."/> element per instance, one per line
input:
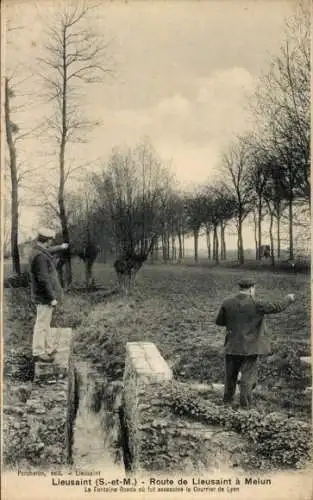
<point x="45" y="291"/>
<point x="246" y="339"/>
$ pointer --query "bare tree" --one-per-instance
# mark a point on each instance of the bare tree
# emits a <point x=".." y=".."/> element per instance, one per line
<point x="6" y="220"/>
<point x="254" y="218"/>
<point x="195" y="217"/>
<point x="226" y="207"/>
<point x="18" y="98"/>
<point x="130" y="193"/>
<point x="180" y="229"/>
<point x="88" y="232"/>
<point x="272" y="215"/>
<point x="19" y="171"/>
<point x="75" y="57"/>
<point x="11" y="128"/>
<point x="165" y="221"/>
<point x="282" y="106"/>
<point x="83" y="232"/>
<point x="219" y="208"/>
<point x="275" y="199"/>
<point x="173" y="225"/>
<point x="236" y="182"/>
<point x="258" y="176"/>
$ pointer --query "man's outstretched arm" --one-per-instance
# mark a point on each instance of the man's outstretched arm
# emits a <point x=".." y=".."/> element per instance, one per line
<point x="274" y="307"/>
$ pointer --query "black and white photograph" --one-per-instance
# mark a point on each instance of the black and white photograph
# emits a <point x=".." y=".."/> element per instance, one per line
<point x="156" y="249"/>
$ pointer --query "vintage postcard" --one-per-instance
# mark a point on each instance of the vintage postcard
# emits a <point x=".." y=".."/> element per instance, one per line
<point x="156" y="252"/>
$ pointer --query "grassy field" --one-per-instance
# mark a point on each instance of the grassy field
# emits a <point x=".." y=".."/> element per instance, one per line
<point x="174" y="307"/>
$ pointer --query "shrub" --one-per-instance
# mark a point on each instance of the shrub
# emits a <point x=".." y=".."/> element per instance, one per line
<point x="17" y="280"/>
<point x="284" y="367"/>
<point x="284" y="441"/>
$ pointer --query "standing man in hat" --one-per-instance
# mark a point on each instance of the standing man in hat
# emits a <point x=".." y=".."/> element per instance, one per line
<point x="243" y="317"/>
<point x="45" y="291"/>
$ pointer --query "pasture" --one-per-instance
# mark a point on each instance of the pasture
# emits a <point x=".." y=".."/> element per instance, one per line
<point x="175" y="307"/>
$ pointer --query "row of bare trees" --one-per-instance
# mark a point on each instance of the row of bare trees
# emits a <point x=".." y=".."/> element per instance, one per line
<point x="264" y="174"/>
<point x="131" y="207"/>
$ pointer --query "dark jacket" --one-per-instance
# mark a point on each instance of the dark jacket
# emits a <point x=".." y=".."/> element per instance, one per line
<point x="45" y="285"/>
<point x="243" y="317"/>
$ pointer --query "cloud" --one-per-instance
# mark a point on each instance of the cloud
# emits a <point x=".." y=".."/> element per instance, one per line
<point x="192" y="164"/>
<point x="190" y="129"/>
<point x="223" y="98"/>
<point x="193" y="130"/>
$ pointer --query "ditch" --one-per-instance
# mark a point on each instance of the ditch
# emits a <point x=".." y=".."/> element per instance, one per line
<point x="96" y="431"/>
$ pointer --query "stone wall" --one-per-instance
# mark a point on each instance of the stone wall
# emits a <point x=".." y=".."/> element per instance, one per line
<point x="35" y="410"/>
<point x="159" y="440"/>
<point x="144" y="366"/>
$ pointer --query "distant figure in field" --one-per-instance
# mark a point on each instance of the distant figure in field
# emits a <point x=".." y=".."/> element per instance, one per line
<point x="265" y="251"/>
<point x="45" y="291"/>
<point x="246" y="339"/>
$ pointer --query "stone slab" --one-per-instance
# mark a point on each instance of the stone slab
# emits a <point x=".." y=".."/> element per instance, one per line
<point x="144" y="365"/>
<point x="61" y="340"/>
<point x="144" y="360"/>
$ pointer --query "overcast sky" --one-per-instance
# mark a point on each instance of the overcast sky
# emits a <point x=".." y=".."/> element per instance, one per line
<point x="183" y="71"/>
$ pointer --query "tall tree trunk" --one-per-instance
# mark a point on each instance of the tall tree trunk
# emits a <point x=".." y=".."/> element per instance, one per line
<point x="180" y="247"/>
<point x="255" y="237"/>
<point x="290" y="209"/>
<point x="240" y="242"/>
<point x="152" y="254"/>
<point x="215" y="245"/>
<point x="88" y="274"/>
<point x="223" y="244"/>
<point x="61" y="193"/>
<point x="173" y="247"/>
<point x="14" y="184"/>
<point x="196" y="240"/>
<point x="183" y="245"/>
<point x="208" y="242"/>
<point x="272" y="239"/>
<point x="278" y="234"/>
<point x="156" y="249"/>
<point x="259" y="228"/>
<point x="238" y="247"/>
<point x="221" y="250"/>
<point x="164" y="247"/>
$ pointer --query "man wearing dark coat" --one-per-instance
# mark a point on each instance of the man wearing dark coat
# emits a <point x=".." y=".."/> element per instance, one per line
<point x="246" y="338"/>
<point x="45" y="292"/>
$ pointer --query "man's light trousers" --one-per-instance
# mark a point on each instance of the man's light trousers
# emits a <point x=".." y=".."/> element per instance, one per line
<point x="42" y="342"/>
